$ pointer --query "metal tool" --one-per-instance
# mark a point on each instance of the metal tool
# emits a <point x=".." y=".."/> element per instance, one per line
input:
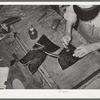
<point x="11" y="20"/>
<point x="52" y="55"/>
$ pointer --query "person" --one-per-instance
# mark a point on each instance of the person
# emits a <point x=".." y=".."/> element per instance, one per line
<point x="88" y="18"/>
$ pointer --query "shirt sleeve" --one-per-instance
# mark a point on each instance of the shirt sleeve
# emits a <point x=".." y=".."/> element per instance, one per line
<point x="70" y="15"/>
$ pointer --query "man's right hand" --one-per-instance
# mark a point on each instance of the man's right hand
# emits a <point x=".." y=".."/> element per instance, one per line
<point x="66" y="40"/>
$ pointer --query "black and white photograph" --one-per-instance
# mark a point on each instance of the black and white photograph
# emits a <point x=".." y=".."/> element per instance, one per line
<point x="50" y="46"/>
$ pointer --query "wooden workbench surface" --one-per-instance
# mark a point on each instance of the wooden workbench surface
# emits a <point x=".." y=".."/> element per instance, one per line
<point x="76" y="75"/>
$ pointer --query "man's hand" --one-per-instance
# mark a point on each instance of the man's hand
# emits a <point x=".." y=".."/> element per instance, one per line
<point x="83" y="50"/>
<point x="65" y="40"/>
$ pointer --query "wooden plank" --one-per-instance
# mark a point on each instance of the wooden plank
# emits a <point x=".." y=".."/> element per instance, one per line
<point x="96" y="77"/>
<point x="94" y="85"/>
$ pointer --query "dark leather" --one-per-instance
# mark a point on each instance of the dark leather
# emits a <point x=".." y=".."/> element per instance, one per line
<point x="36" y="62"/>
<point x="66" y="58"/>
<point x="15" y="59"/>
<point x="33" y="54"/>
<point x="36" y="58"/>
<point x="38" y="55"/>
<point x="48" y="44"/>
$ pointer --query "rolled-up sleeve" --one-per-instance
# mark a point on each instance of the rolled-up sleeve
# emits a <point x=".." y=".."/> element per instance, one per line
<point x="70" y="14"/>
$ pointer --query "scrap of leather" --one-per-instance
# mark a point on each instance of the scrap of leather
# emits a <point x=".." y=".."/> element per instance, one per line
<point x="66" y="58"/>
<point x="36" y="62"/>
<point x="32" y="54"/>
<point x="48" y="44"/>
<point x="43" y="45"/>
<point x="37" y="56"/>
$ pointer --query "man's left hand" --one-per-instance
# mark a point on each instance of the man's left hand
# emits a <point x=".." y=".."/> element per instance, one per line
<point x="83" y="50"/>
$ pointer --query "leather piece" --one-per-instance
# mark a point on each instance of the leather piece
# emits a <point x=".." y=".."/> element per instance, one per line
<point x="43" y="45"/>
<point x="36" y="62"/>
<point x="66" y="58"/>
<point x="49" y="45"/>
<point x="37" y="56"/>
<point x="32" y="54"/>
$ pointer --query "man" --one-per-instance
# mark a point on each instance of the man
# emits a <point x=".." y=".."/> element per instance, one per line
<point x="88" y="27"/>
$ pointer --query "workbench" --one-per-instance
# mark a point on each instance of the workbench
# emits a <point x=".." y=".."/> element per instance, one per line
<point x="79" y="75"/>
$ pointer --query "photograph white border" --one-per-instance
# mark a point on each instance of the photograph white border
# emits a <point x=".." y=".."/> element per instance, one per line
<point x="48" y="93"/>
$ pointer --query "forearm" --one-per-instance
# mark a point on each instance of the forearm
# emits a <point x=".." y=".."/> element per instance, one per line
<point x="68" y="27"/>
<point x="95" y="46"/>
